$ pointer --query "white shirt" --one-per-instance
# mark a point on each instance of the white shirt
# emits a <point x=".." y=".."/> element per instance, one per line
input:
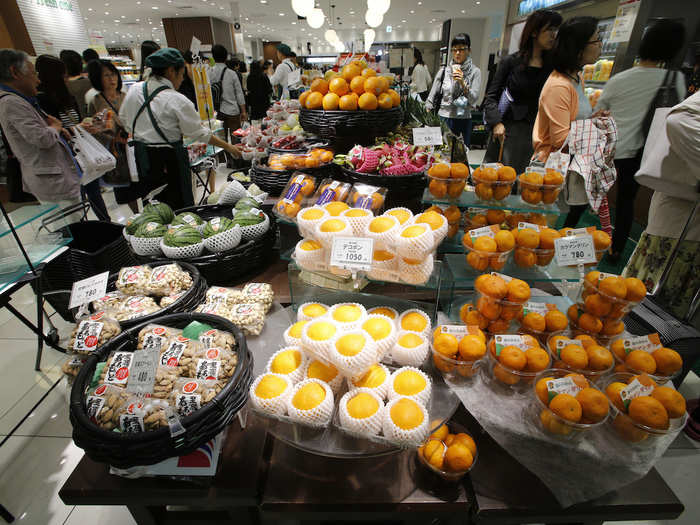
<point x="420" y="79"/>
<point x="281" y="74"/>
<point x="628" y="95"/>
<point x="174" y="112"/>
<point x="232" y="93"/>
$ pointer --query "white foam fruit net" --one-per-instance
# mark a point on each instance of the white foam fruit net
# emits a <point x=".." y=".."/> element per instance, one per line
<point x="371" y="425"/>
<point x="301" y="316"/>
<point x="426" y="331"/>
<point x="381" y="390"/>
<point x="306" y="258"/>
<point x="384" y="240"/>
<point x="275" y="405"/>
<point x="146" y="245"/>
<point x="307" y="227"/>
<point x="334" y="383"/>
<point x="404" y="356"/>
<point x="417" y="248"/>
<point x="358" y="224"/>
<point x="326" y="238"/>
<point x="410" y="437"/>
<point x="224" y="241"/>
<point x="290" y="340"/>
<point x="349" y="325"/>
<point x="352" y="366"/>
<point x="410" y="214"/>
<point x="182" y="252"/>
<point x="394" y="320"/>
<point x="295" y="375"/>
<point x="320" y="415"/>
<point x="422" y="397"/>
<point x="440" y="232"/>
<point x="416" y="273"/>
<point x="386" y="343"/>
<point x="232" y="192"/>
<point x="316" y="348"/>
<point x="384" y="270"/>
<point x="255" y="230"/>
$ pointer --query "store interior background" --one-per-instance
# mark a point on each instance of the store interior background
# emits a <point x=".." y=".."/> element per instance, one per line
<point x="39" y="456"/>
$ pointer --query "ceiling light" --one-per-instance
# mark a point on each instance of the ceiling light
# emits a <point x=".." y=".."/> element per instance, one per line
<point x="316" y="18"/>
<point x="411" y="11"/>
<point x="155" y="7"/>
<point x="106" y="12"/>
<point x="281" y="14"/>
<point x="373" y="18"/>
<point x="379" y="6"/>
<point x="263" y="1"/>
<point x="294" y="23"/>
<point x="403" y="21"/>
<point x="331" y="36"/>
<point x="89" y="8"/>
<point x="302" y="7"/>
<point x="138" y="19"/>
<point x="478" y="3"/>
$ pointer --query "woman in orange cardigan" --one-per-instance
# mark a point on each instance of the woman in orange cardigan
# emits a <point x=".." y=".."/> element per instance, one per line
<point x="563" y="101"/>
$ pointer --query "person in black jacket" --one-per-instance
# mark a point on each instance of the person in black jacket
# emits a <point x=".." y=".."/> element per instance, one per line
<point x="259" y="91"/>
<point x="187" y="86"/>
<point x="511" y="102"/>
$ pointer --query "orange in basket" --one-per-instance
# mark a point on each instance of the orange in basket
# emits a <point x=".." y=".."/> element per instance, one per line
<point x="566" y="407"/>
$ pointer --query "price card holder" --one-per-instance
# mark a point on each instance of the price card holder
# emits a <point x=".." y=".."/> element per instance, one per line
<point x="352" y="253"/>
<point x="88" y="290"/>
<point x="575" y="251"/>
<point x="427" y="136"/>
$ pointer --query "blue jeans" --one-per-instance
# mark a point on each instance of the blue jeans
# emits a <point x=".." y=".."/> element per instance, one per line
<point x="460" y="126"/>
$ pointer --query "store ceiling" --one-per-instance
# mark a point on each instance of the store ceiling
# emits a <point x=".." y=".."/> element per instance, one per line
<point x="131" y="21"/>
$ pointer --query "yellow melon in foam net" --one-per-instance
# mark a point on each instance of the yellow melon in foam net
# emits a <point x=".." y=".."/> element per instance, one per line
<point x="406" y="414"/>
<point x="319" y="370"/>
<point x="357" y="212"/>
<point x="382" y="310"/>
<point x="410" y="340"/>
<point x="350" y="344"/>
<point x="414" y="322"/>
<point x="401" y="215"/>
<point x="308" y="396"/>
<point x="310" y="246"/>
<point x="347" y="313"/>
<point x="270" y="386"/>
<point x="373" y="378"/>
<point x="362" y="406"/>
<point x="381" y="224"/>
<point x="332" y="226"/>
<point x="414" y="231"/>
<point x="296" y="329"/>
<point x="335" y="208"/>
<point x="321" y="331"/>
<point x="286" y="362"/>
<point x="312" y="214"/>
<point x="314" y="310"/>
<point x="378" y="328"/>
<point x="409" y="383"/>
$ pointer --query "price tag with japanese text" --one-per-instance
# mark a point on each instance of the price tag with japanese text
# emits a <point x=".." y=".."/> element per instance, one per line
<point x="352" y="253"/>
<point x="570" y="251"/>
<point x="143" y="371"/>
<point x="88" y="289"/>
<point x="427" y="136"/>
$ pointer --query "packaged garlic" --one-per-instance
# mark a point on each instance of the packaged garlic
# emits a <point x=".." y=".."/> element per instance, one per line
<point x="168" y="279"/>
<point x="156" y="336"/>
<point x="189" y="395"/>
<point x="92" y="332"/>
<point x="133" y="280"/>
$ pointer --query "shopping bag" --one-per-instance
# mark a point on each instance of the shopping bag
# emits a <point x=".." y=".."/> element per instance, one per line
<point x="131" y="159"/>
<point x="92" y="157"/>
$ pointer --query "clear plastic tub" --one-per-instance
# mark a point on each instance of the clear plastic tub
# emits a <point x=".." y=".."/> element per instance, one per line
<point x="552" y="424"/>
<point x="605" y="306"/>
<point x="481" y="260"/>
<point x="450" y="189"/>
<point x="622" y="367"/>
<point x="448" y="475"/>
<point x="493" y="182"/>
<point x="529" y="257"/>
<point x="506" y="378"/>
<point x="625" y="428"/>
<point x="538" y="193"/>
<point x="456" y="370"/>
<point x="591" y="375"/>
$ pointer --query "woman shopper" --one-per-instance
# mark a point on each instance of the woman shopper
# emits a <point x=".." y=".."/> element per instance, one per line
<point x="627" y="95"/>
<point x="510" y="106"/>
<point x="456" y="89"/>
<point x="105" y="78"/>
<point x="187" y="86"/>
<point x="259" y="91"/>
<point x="232" y="110"/>
<point x="563" y="101"/>
<point x="77" y="83"/>
<point x="55" y="99"/>
<point x="148" y="47"/>
<point x="157" y="117"/>
<point x="420" y="76"/>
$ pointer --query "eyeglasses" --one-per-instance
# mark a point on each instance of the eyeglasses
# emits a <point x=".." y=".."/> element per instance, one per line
<point x="459" y="49"/>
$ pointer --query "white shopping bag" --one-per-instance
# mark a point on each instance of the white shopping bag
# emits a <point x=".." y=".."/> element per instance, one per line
<point x="131" y="162"/>
<point x="94" y="159"/>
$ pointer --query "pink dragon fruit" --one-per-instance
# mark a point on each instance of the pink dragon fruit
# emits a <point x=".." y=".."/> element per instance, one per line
<point x="420" y="159"/>
<point x="355" y="156"/>
<point x="398" y="169"/>
<point x="370" y="161"/>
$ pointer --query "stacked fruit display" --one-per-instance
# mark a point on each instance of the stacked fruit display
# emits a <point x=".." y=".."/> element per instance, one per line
<point x="541" y="320"/>
<point x="458" y="350"/>
<point x="493" y="182"/>
<point x="488" y="247"/>
<point x="314" y="158"/>
<point x="355" y="87"/>
<point x="500" y="299"/>
<point x="515" y="360"/>
<point x="453" y="216"/>
<point x="447" y="180"/>
<point x="397" y="158"/>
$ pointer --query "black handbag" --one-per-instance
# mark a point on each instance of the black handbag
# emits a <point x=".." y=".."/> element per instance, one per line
<point x="666" y="97"/>
<point x="437" y="100"/>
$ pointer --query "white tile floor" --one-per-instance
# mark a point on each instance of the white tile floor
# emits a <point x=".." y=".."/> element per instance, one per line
<point x="37" y="459"/>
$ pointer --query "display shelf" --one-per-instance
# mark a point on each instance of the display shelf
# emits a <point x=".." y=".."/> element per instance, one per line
<point x="464" y="275"/>
<point x="15" y="266"/>
<point x="24" y="215"/>
<point x="452" y="244"/>
<point x="510" y="203"/>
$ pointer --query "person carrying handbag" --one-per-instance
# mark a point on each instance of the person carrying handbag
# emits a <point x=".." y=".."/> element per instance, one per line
<point x="510" y="105"/>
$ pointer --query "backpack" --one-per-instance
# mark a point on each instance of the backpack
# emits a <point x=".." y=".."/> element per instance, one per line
<point x="217" y="90"/>
<point x="666" y="97"/>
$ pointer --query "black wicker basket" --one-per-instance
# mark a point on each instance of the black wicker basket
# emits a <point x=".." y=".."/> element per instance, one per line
<point x="234" y="266"/>
<point x="308" y="144"/>
<point x="361" y="124"/>
<point x="270" y="181"/>
<point x="125" y="450"/>
<point x="402" y="190"/>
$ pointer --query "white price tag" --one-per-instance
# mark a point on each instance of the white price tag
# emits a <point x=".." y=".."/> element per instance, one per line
<point x="634" y="389"/>
<point x="648" y="343"/>
<point x="563" y="385"/>
<point x="352" y="253"/>
<point x="88" y="289"/>
<point x="571" y="251"/>
<point x="503" y="340"/>
<point x="143" y="371"/>
<point x="528" y="226"/>
<point x="427" y="136"/>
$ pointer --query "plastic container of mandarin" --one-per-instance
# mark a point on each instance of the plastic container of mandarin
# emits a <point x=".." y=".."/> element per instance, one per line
<point x="450" y="189"/>
<point x="456" y="370"/>
<point x="481" y="261"/>
<point x="576" y="329"/>
<point x="533" y="190"/>
<point x="296" y="195"/>
<point x="622" y="366"/>
<point x="448" y="475"/>
<point x="618" y="308"/>
<point x="630" y="431"/>
<point x="591" y="375"/>
<point x="497" y="309"/>
<point x="552" y="424"/>
<point x="492" y="183"/>
<point x="506" y="379"/>
<point x="529" y="257"/>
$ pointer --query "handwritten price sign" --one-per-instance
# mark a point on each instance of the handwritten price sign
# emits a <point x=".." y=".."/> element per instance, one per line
<point x="88" y="289"/>
<point x="427" y="136"/>
<point x="570" y="251"/>
<point x="352" y="253"/>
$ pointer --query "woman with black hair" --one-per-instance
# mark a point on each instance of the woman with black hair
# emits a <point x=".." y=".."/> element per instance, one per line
<point x="456" y="88"/>
<point x="187" y="86"/>
<point x="55" y="99"/>
<point x="107" y="81"/>
<point x="510" y="106"/>
<point x="259" y="91"/>
<point x="148" y="47"/>
<point x="77" y="83"/>
<point x="563" y="101"/>
<point x="420" y="76"/>
<point x="157" y="117"/>
<point x="628" y="95"/>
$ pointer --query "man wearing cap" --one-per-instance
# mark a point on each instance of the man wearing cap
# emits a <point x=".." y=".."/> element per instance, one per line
<point x="157" y="116"/>
<point x="287" y="74"/>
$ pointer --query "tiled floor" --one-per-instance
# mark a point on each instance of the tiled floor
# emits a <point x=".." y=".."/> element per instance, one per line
<point x="36" y="460"/>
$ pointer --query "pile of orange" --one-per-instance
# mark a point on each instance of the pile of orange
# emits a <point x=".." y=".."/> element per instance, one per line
<point x="534" y="247"/>
<point x="588" y="406"/>
<point x="447" y="180"/>
<point x="289" y="205"/>
<point x="582" y="353"/>
<point x="662" y="362"/>
<point x="446" y="452"/>
<point x="513" y="364"/>
<point x="535" y="323"/>
<point x="483" y="218"/>
<point x="354" y="87"/>
<point x="606" y="299"/>
<point x="452" y="214"/>
<point x="451" y="352"/>
<point x="299" y="161"/>
<point x="499" y="302"/>
<point x="540" y="219"/>
<point x="654" y="410"/>
<point x="493" y="183"/>
<point x="488" y="252"/>
<point x="536" y="188"/>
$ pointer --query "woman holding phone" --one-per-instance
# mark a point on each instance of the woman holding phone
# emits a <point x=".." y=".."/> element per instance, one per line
<point x="456" y="88"/>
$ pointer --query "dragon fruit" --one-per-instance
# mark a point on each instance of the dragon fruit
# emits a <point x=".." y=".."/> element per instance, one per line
<point x="370" y="161"/>
<point x="398" y="169"/>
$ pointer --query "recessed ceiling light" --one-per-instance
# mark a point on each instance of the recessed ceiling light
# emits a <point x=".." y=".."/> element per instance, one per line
<point x="478" y="3"/>
<point x="89" y="8"/>
<point x="138" y="19"/>
<point x="106" y="12"/>
<point x="294" y="23"/>
<point x="116" y="21"/>
<point x="263" y="1"/>
<point x="155" y="7"/>
<point x="281" y="14"/>
<point x="411" y="11"/>
<point x="464" y="11"/>
<point x="420" y="3"/>
<point x="403" y="21"/>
